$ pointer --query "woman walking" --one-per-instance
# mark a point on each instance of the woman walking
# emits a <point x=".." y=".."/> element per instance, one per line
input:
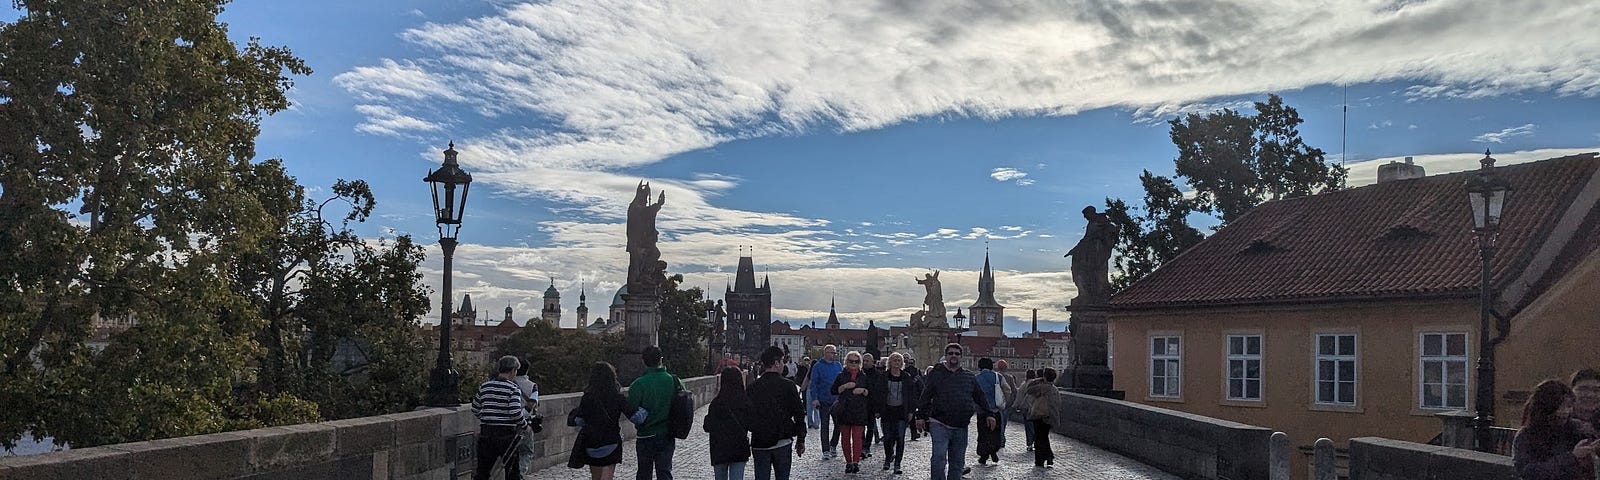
<point x="1551" y="445"/>
<point x="892" y="396"/>
<point x="852" y="409"/>
<point x="598" y="416"/>
<point x="727" y="420"/>
<point x="1041" y="394"/>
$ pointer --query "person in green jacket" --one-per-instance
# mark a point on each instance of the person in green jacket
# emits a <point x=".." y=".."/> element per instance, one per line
<point x="653" y="392"/>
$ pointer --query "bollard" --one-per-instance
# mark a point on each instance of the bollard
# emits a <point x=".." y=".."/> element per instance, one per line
<point x="1323" y="462"/>
<point x="1278" y="451"/>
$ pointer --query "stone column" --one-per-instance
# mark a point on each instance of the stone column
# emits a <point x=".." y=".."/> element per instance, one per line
<point x="643" y="313"/>
<point x="1089" y="372"/>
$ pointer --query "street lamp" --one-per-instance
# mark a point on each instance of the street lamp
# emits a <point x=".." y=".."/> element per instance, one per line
<point x="448" y="206"/>
<point x="1488" y="193"/>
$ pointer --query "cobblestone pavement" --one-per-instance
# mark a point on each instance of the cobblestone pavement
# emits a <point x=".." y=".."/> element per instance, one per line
<point x="1074" y="460"/>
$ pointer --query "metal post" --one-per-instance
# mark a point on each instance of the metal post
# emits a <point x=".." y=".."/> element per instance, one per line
<point x="1485" y="418"/>
<point x="444" y="380"/>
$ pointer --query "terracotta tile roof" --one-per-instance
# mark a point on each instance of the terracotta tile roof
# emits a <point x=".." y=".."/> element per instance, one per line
<point x="1395" y="239"/>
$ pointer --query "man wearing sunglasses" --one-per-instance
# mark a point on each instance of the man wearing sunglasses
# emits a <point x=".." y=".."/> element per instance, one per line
<point x="950" y="397"/>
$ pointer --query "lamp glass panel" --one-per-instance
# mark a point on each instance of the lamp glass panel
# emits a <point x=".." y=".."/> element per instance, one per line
<point x="1479" y="208"/>
<point x="1497" y="203"/>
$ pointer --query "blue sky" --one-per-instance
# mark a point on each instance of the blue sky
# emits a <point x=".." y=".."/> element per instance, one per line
<point x="855" y="144"/>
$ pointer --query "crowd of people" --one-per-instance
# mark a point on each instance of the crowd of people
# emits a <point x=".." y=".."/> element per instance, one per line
<point x="762" y="415"/>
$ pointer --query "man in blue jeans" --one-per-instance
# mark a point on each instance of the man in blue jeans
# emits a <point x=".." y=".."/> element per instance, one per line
<point x="653" y="392"/>
<point x="822" y="396"/>
<point x="950" y="397"/>
<point x="777" y="427"/>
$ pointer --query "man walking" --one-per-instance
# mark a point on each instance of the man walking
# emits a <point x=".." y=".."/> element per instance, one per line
<point x="778" y="427"/>
<point x="869" y="371"/>
<point x="950" y="396"/>
<point x="501" y="412"/>
<point x="823" y="372"/>
<point x="653" y="392"/>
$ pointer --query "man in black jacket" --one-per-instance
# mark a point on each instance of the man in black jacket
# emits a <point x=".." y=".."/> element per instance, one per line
<point x="778" y="418"/>
<point x="950" y="396"/>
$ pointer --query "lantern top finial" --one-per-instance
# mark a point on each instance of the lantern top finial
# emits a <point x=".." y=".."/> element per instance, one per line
<point x="450" y="154"/>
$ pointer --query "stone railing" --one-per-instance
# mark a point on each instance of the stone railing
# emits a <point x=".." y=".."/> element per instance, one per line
<point x="1183" y="444"/>
<point x="432" y="443"/>
<point x="1373" y="458"/>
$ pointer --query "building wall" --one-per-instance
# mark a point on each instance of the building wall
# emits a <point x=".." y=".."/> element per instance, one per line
<point x="1555" y="336"/>
<point x="1387" y="366"/>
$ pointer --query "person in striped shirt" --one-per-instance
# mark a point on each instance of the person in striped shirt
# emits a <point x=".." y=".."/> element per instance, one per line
<point x="501" y="414"/>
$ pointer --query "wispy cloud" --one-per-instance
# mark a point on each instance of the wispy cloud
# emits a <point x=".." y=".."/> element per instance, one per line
<point x="622" y="83"/>
<point x="1502" y="135"/>
<point x="1366" y="172"/>
<point x="1006" y="174"/>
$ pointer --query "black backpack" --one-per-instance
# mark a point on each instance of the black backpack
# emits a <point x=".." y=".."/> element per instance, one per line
<point x="680" y="419"/>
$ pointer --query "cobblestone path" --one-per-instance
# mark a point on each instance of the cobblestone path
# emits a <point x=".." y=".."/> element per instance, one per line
<point x="1074" y="460"/>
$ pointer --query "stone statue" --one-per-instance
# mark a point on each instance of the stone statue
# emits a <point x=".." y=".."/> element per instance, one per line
<point x="646" y="271"/>
<point x="1090" y="272"/>
<point x="919" y="319"/>
<point x="934" y="300"/>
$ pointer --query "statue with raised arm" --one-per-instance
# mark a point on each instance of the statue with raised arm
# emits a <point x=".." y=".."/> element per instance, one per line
<point x="934" y="300"/>
<point x="1090" y="270"/>
<point x="646" y="271"/>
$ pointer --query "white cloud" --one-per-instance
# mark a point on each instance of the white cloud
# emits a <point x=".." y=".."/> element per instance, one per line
<point x="625" y="83"/>
<point x="1006" y="174"/>
<point x="1025" y="181"/>
<point x="382" y="120"/>
<point x="1502" y="135"/>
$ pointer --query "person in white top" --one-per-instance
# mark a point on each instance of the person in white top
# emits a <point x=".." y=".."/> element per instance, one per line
<point x="530" y="395"/>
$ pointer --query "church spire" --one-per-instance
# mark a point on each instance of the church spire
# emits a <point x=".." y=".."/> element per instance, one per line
<point x="833" y="316"/>
<point x="986" y="286"/>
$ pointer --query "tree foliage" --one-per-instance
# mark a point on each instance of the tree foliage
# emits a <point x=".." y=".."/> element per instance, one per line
<point x="1233" y="162"/>
<point x="558" y="360"/>
<point x="683" y="332"/>
<point x="129" y="190"/>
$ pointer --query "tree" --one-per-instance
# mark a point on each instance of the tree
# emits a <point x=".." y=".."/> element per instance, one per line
<point x="129" y="190"/>
<point x="683" y="330"/>
<point x="1158" y="233"/>
<point x="1233" y="163"/>
<point x="559" y="360"/>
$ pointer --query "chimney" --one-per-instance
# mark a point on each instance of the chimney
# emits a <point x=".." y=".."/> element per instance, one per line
<point x="1394" y="171"/>
<point x="1035" y="322"/>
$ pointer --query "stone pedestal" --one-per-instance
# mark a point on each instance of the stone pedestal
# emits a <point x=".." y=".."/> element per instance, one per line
<point x="643" y="317"/>
<point x="927" y="344"/>
<point x="1089" y="372"/>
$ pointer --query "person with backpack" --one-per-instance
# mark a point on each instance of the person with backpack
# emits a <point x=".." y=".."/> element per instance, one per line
<point x="599" y="413"/>
<point x="728" y="422"/>
<point x="654" y="391"/>
<point x="1022" y="407"/>
<point x="501" y="414"/>
<point x="993" y="388"/>
<point x="777" y="424"/>
<point x="853" y="409"/>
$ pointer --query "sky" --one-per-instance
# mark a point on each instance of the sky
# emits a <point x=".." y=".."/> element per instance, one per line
<point x="853" y="145"/>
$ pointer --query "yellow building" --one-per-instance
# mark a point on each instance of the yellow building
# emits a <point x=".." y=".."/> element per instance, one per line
<point x="1355" y="313"/>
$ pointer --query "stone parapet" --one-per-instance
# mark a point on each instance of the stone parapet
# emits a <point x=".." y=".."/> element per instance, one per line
<point x="1373" y="458"/>
<point x="1187" y="445"/>
<point x="430" y="443"/>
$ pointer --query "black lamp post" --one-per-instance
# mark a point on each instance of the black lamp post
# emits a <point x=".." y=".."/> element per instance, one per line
<point x="1488" y="192"/>
<point x="448" y="206"/>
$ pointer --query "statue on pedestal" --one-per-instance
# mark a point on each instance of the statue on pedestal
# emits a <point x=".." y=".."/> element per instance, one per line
<point x="1090" y="272"/>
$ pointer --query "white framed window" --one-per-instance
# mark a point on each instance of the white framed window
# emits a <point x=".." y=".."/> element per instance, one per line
<point x="1336" y="369"/>
<point x="1244" y="367"/>
<point x="1442" y="361"/>
<point x="1166" y="367"/>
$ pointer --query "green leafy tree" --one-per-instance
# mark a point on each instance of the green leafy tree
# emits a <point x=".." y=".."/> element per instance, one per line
<point x="683" y="330"/>
<point x="559" y="360"/>
<point x="1233" y="162"/>
<point x="129" y="190"/>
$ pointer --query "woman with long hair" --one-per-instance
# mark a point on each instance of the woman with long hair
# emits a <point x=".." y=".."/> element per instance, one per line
<point x="598" y="418"/>
<point x="1551" y="445"/>
<point x="853" y="409"/>
<point x="727" y="420"/>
